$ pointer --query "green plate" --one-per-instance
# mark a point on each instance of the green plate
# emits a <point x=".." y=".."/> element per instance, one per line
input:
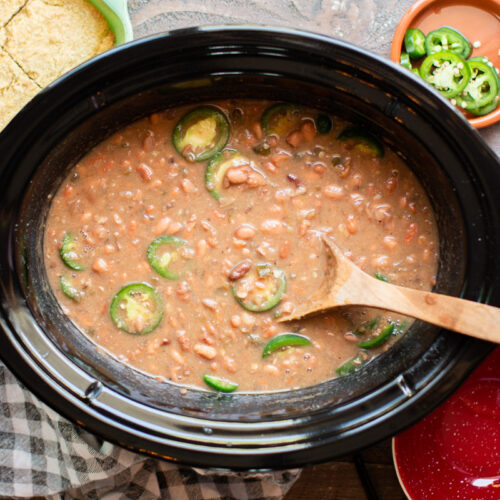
<point x="116" y="14"/>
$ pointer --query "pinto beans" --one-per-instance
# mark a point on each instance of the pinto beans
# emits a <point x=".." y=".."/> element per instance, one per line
<point x="271" y="226"/>
<point x="237" y="175"/>
<point x="334" y="191"/>
<point x="205" y="351"/>
<point x="308" y="130"/>
<point x="284" y="249"/>
<point x="161" y="226"/>
<point x="239" y="270"/>
<point x="245" y="232"/>
<point x="100" y="266"/>
<point x="295" y="138"/>
<point x="145" y="172"/>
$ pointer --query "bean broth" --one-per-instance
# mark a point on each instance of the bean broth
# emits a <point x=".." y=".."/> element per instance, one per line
<point x="238" y="241"/>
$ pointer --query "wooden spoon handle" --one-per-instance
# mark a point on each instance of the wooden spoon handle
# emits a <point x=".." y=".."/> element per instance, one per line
<point x="460" y="315"/>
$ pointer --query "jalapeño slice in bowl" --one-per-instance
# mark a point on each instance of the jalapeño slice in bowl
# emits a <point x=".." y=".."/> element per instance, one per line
<point x="362" y="141"/>
<point x="484" y="110"/>
<point x="261" y="289"/>
<point x="353" y="364"/>
<point x="414" y="43"/>
<point x="404" y="60"/>
<point x="218" y="167"/>
<point x="367" y="326"/>
<point x="283" y="341"/>
<point x="380" y="339"/>
<point x="220" y="384"/>
<point x="71" y="251"/>
<point x="163" y="256"/>
<point x="447" y="39"/>
<point x="136" y="309"/>
<point x="201" y="133"/>
<point x="280" y="119"/>
<point x="323" y="123"/>
<point x="447" y="72"/>
<point x="482" y="87"/>
<point x="69" y="289"/>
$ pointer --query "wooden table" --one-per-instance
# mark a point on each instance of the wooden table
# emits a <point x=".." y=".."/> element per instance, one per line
<point x="340" y="479"/>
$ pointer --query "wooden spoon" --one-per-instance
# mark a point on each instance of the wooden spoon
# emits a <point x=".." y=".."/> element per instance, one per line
<point x="346" y="284"/>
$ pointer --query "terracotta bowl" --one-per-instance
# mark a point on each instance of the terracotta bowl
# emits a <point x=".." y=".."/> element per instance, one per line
<point x="478" y="20"/>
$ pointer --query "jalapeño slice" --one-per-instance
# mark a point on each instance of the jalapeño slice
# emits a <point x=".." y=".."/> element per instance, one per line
<point x="201" y="133"/>
<point x="414" y="43"/>
<point x="69" y="289"/>
<point x="367" y="326"/>
<point x="163" y="256"/>
<point x="280" y="119"/>
<point x="220" y="384"/>
<point x="70" y="252"/>
<point x="447" y="72"/>
<point x="136" y="309"/>
<point x="353" y="364"/>
<point x="404" y="60"/>
<point x="449" y="40"/>
<point x="380" y="339"/>
<point x="484" y="110"/>
<point x="323" y="123"/>
<point x="482" y="87"/>
<point x="219" y="165"/>
<point x="363" y="141"/>
<point x="261" y="289"/>
<point x="284" y="340"/>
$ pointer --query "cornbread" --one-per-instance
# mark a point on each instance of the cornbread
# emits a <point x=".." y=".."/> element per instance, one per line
<point x="8" y="8"/>
<point x="49" y="37"/>
<point x="16" y="89"/>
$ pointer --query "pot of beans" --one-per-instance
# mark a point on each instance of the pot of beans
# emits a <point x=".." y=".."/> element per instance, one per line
<point x="163" y="207"/>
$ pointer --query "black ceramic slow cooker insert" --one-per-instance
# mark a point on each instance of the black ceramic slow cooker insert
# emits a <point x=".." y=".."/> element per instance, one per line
<point x="242" y="431"/>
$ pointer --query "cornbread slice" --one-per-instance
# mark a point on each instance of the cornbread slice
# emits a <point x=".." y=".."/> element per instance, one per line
<point x="16" y="89"/>
<point x="49" y="37"/>
<point x="8" y="8"/>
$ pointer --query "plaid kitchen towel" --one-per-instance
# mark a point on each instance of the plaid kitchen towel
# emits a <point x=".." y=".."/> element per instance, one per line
<point x="43" y="454"/>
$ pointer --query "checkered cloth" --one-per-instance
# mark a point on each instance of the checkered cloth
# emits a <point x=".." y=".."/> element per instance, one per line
<point x="43" y="454"/>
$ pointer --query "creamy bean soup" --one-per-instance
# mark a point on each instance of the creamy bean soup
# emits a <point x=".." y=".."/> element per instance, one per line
<point x="177" y="243"/>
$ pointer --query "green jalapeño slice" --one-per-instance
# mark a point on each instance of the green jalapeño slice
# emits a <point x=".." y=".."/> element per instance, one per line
<point x="379" y="339"/>
<point x="218" y="167"/>
<point x="163" y="256"/>
<point x="482" y="87"/>
<point x="353" y="364"/>
<point x="449" y="40"/>
<point x="220" y="384"/>
<point x="280" y="119"/>
<point x="362" y="141"/>
<point x="447" y="72"/>
<point x="414" y="43"/>
<point x="404" y="60"/>
<point x="69" y="289"/>
<point x="261" y="289"/>
<point x="201" y="133"/>
<point x="283" y="341"/>
<point x="136" y="309"/>
<point x="71" y="252"/>
<point x="323" y="123"/>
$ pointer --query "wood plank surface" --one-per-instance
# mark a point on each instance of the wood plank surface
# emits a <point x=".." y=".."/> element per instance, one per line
<point x="339" y="479"/>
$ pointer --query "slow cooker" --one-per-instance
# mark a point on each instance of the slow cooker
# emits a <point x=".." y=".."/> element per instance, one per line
<point x="242" y="431"/>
